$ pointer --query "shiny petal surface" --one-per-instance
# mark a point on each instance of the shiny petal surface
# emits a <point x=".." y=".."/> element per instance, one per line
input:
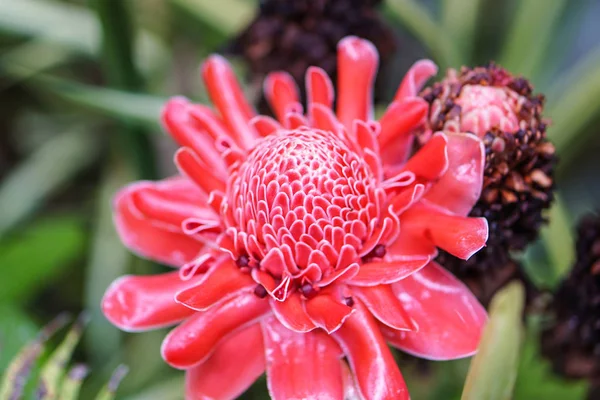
<point x="227" y="95"/>
<point x="327" y="312"/>
<point x="282" y="94"/>
<point x="449" y="318"/>
<point x="459" y="236"/>
<point x="374" y="367"/>
<point x="377" y="273"/>
<point x="460" y="187"/>
<point x="301" y="365"/>
<point x="415" y="79"/>
<point x="193" y="341"/>
<point x="138" y="303"/>
<point x="292" y="315"/>
<point x="149" y="237"/>
<point x="222" y="282"/>
<point x="357" y="65"/>
<point x="218" y="378"/>
<point x="384" y="305"/>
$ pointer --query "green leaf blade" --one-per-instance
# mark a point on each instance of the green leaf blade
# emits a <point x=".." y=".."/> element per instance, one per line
<point x="493" y="370"/>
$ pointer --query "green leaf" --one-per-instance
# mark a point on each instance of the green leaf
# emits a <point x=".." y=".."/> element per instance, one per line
<point x="460" y="21"/>
<point x="558" y="240"/>
<point x="573" y="103"/>
<point x="33" y="256"/>
<point x="225" y="17"/>
<point x="535" y="379"/>
<point x="493" y="370"/>
<point x="44" y="173"/>
<point x="117" y="39"/>
<point x="414" y="17"/>
<point x="165" y="389"/>
<point x="54" y="368"/>
<point x="71" y="26"/>
<point x="530" y="35"/>
<point x="16" y="329"/>
<point x="40" y="55"/>
<point x="108" y="260"/>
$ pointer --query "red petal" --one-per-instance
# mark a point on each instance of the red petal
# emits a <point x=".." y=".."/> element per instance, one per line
<point x="374" y="367"/>
<point x="191" y="166"/>
<point x="319" y="89"/>
<point x="291" y="313"/>
<point x="431" y="161"/>
<point x="377" y="273"/>
<point x="357" y="65"/>
<point x="281" y="93"/>
<point x="235" y="364"/>
<point x="460" y="187"/>
<point x="227" y="95"/>
<point x="149" y="237"/>
<point x="137" y="303"/>
<point x="383" y="304"/>
<point x="193" y="341"/>
<point x="459" y="236"/>
<point x="220" y="283"/>
<point x="397" y="124"/>
<point x="449" y="318"/>
<point x="415" y="79"/>
<point x="177" y="117"/>
<point x="301" y="365"/>
<point x="327" y="313"/>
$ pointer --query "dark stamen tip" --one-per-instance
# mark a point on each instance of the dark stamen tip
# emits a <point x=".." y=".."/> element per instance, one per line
<point x="308" y="291"/>
<point x="242" y="261"/>
<point x="349" y="301"/>
<point x="260" y="291"/>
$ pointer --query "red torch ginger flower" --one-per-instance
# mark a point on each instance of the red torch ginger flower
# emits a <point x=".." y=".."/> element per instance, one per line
<point x="304" y="244"/>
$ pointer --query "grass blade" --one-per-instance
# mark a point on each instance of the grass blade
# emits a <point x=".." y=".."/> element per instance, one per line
<point x="493" y="370"/>
<point x="70" y="26"/>
<point x="72" y="382"/>
<point x="459" y="18"/>
<point x="117" y="50"/>
<point x="573" y="103"/>
<point x="108" y="260"/>
<point x="109" y="391"/>
<point x="225" y="17"/>
<point x="44" y="172"/>
<point x="414" y="17"/>
<point x="18" y="371"/>
<point x="53" y="370"/>
<point x="529" y="36"/>
<point x="558" y="240"/>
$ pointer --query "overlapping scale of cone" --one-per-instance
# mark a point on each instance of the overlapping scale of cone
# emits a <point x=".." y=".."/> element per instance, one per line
<point x="304" y="245"/>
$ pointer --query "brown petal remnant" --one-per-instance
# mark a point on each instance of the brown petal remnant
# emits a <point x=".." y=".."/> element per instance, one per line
<point x="519" y="168"/>
<point x="572" y="341"/>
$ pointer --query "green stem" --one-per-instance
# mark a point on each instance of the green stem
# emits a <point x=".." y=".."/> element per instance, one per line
<point x="121" y="72"/>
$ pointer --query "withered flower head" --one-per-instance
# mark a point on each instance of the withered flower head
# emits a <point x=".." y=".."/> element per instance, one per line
<point x="572" y="341"/>
<point x="292" y="35"/>
<point x="519" y="166"/>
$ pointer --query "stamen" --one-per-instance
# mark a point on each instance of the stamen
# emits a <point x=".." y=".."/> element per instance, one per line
<point x="260" y="291"/>
<point x="242" y="261"/>
<point x="349" y="301"/>
<point x="308" y="291"/>
<point x="378" y="251"/>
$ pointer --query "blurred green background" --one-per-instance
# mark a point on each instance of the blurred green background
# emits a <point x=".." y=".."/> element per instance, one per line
<point x="81" y="87"/>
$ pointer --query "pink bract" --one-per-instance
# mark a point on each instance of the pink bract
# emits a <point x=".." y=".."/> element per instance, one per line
<point x="305" y="243"/>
